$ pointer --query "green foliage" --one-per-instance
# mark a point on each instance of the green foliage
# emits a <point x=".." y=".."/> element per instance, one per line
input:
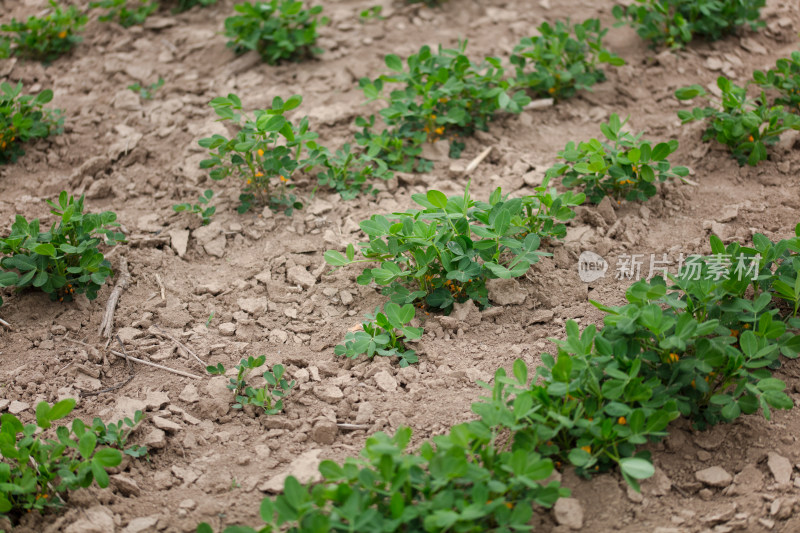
<point x="349" y="173"/>
<point x="186" y="5"/>
<point x="147" y="93"/>
<point x="445" y="252"/>
<point x="22" y="118"/>
<point x="702" y="347"/>
<point x="38" y="470"/>
<point x="125" y="12"/>
<point x="269" y="397"/>
<point x="675" y="23"/>
<point x="64" y="260"/>
<point x="746" y="125"/>
<point x="268" y="148"/>
<point x="48" y="37"/>
<point x="116" y="434"/>
<point x="203" y="200"/>
<point x="445" y="95"/>
<point x="370" y="13"/>
<point x="463" y="481"/>
<point x="383" y="334"/>
<point x="784" y="78"/>
<point x="278" y="30"/>
<point x="563" y="64"/>
<point x="625" y="166"/>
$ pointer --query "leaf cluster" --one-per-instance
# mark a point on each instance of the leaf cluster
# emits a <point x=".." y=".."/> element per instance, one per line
<point x="22" y="118"/>
<point x="64" y="260"/>
<point x="48" y="37"/>
<point x="784" y="78"/>
<point x="464" y="481"/>
<point x="115" y="434"/>
<point x="269" y="396"/>
<point x="623" y="167"/>
<point x="445" y="95"/>
<point x="383" y="334"/>
<point x="201" y="208"/>
<point x="279" y="30"/>
<point x="126" y="13"/>
<point x="564" y="58"/>
<point x="38" y="470"/>
<point x="675" y="23"/>
<point x="446" y="251"/>
<point x="147" y="93"/>
<point x="747" y="126"/>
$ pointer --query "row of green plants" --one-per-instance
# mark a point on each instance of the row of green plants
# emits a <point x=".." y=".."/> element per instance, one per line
<point x="43" y="462"/>
<point x="702" y="345"/>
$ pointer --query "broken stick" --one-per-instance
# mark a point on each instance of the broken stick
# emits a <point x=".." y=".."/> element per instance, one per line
<point x="107" y="324"/>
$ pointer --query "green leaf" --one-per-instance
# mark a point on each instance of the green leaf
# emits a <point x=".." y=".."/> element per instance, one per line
<point x="45" y="249"/>
<point x="86" y="444"/>
<point x="394" y="63"/>
<point x="437" y="198"/>
<point x="636" y="467"/>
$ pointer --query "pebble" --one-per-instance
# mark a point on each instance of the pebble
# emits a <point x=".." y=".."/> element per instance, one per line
<point x="324" y="432"/>
<point x="346" y="297"/>
<point x="385" y="381"/>
<point x="189" y="394"/>
<point x="304" y="468"/>
<point x="227" y="329"/>
<point x="568" y="512"/>
<point x="125" y="485"/>
<point x="167" y="425"/>
<point x="298" y="275"/>
<point x="780" y="467"/>
<point x="143" y="523"/>
<point x="16" y="407"/>
<point x="179" y="240"/>
<point x="98" y="520"/>
<point x="328" y="393"/>
<point x="155" y="439"/>
<point x="715" y="476"/>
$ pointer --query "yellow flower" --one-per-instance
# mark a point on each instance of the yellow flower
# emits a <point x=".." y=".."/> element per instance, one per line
<point x="587" y="449"/>
<point x="750" y="138"/>
<point x="62" y="34"/>
<point x="440" y="130"/>
<point x="442" y="100"/>
<point x="260" y="152"/>
<point x="433" y="117"/>
<point x="551" y="90"/>
<point x="284" y="179"/>
<point x="621" y="421"/>
<point x="673" y="357"/>
<point x="259" y="174"/>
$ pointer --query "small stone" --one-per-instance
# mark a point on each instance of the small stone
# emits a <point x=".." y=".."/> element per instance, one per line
<point x="365" y="413"/>
<point x="319" y="207"/>
<point x="189" y="394"/>
<point x="227" y="329"/>
<point x="713" y="63"/>
<point x="505" y="292"/>
<point x="98" y="520"/>
<point x="253" y="306"/>
<point x="216" y="247"/>
<point x="167" y="425"/>
<point x="126" y="408"/>
<point x="714" y="476"/>
<point x="188" y="504"/>
<point x="568" y="512"/>
<point x="703" y="455"/>
<point x="324" y="432"/>
<point x="346" y="297"/>
<point x="781" y="508"/>
<point x="721" y="513"/>
<point x="780" y="467"/>
<point x="728" y="213"/>
<point x="767" y="523"/>
<point x="143" y="523"/>
<point x="385" y="381"/>
<point x="156" y="400"/>
<point x="216" y="400"/>
<point x="155" y="439"/>
<point x="128" y="334"/>
<point x="305" y="469"/>
<point x="328" y="393"/>
<point x="606" y="210"/>
<point x="125" y="485"/>
<point x="179" y="240"/>
<point x="300" y="276"/>
<point x="16" y="407"/>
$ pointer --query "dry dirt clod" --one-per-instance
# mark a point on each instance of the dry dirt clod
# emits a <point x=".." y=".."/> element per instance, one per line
<point x="780" y="467"/>
<point x="325" y="432"/>
<point x="156" y="439"/>
<point x="715" y="476"/>
<point x="385" y="381"/>
<point x="305" y="469"/>
<point x="569" y="512"/>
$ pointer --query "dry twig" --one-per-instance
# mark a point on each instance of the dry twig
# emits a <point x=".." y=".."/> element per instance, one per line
<point x="107" y="324"/>
<point x="181" y="345"/>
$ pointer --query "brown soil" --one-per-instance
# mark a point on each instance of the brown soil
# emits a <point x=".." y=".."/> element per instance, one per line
<point x="139" y="158"/>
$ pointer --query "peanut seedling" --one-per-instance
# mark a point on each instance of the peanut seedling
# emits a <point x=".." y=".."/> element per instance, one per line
<point x="746" y="125"/>
<point x="383" y="334"/>
<point x="147" y="93"/>
<point x="278" y="30"/>
<point x="48" y="37"/>
<point x="563" y="64"/>
<point x="38" y="470"/>
<point x="269" y="397"/>
<point x="445" y="252"/>
<point x="22" y="118"/>
<point x="784" y="78"/>
<point x="126" y="12"/>
<point x="623" y="167"/>
<point x="64" y="260"/>
<point x="203" y="200"/>
<point x="264" y="154"/>
<point x="675" y="23"/>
